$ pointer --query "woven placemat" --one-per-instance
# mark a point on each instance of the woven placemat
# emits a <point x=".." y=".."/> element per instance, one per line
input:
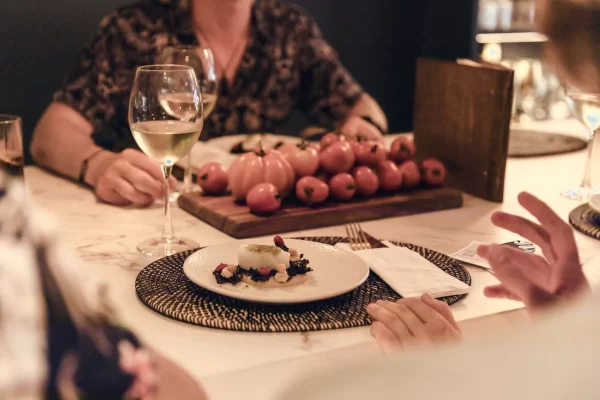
<point x="163" y="287"/>
<point x="586" y="221"/>
<point x="525" y="143"/>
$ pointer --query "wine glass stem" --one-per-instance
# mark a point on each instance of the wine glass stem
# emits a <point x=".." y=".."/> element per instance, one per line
<point x="187" y="177"/>
<point x="586" y="184"/>
<point x="167" y="232"/>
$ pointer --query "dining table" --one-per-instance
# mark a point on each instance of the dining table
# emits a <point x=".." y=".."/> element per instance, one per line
<point x="105" y="237"/>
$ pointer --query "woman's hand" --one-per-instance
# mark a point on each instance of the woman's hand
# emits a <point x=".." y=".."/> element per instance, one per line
<point x="412" y="322"/>
<point x="125" y="178"/>
<point x="530" y="278"/>
<point x="355" y="127"/>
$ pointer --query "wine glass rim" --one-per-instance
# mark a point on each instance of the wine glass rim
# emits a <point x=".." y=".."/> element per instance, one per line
<point x="164" y="68"/>
<point x="9" y="118"/>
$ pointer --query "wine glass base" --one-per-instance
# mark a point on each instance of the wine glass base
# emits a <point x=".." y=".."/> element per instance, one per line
<point x="160" y="247"/>
<point x="580" y="194"/>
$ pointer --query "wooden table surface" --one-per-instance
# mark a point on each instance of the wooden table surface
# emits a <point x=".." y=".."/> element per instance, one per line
<point x="105" y="238"/>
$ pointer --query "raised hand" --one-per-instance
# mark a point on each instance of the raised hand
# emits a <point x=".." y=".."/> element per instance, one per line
<point x="531" y="278"/>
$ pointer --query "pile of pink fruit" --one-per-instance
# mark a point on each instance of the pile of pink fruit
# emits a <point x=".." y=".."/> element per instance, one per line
<point x="337" y="168"/>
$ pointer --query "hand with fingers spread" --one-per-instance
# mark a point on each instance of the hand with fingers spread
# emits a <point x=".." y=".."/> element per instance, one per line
<point x="126" y="178"/>
<point x="530" y="278"/>
<point x="412" y="322"/>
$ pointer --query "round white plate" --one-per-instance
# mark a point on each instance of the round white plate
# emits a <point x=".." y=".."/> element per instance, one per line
<point x="595" y="203"/>
<point x="269" y="140"/>
<point x="335" y="272"/>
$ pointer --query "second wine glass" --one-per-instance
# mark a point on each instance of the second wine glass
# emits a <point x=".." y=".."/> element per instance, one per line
<point x="586" y="108"/>
<point x="166" y="130"/>
<point x="203" y="62"/>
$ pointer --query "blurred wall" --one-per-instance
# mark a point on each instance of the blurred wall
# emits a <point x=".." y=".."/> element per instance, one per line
<point x="377" y="40"/>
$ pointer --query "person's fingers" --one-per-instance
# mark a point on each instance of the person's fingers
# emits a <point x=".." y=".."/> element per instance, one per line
<point x="527" y="229"/>
<point x="387" y="341"/>
<point x="143" y="162"/>
<point x="142" y="181"/>
<point x="109" y="196"/>
<point x="422" y="310"/>
<point x="562" y="238"/>
<point x="408" y="317"/>
<point x="442" y="308"/>
<point x="172" y="183"/>
<point x="500" y="292"/>
<point x="369" y="131"/>
<point x="391" y="320"/>
<point x="507" y="261"/>
<point x="128" y="191"/>
<point x="509" y="265"/>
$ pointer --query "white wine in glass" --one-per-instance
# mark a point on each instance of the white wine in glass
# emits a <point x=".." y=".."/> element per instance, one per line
<point x="586" y="108"/>
<point x="203" y="63"/>
<point x="166" y="128"/>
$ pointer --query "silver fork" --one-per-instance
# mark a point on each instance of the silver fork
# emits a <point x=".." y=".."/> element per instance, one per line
<point x="358" y="240"/>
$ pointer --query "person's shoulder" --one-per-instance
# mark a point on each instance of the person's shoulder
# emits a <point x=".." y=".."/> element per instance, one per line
<point x="284" y="12"/>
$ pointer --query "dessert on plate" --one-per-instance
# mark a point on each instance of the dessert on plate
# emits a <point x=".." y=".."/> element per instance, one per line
<point x="266" y="266"/>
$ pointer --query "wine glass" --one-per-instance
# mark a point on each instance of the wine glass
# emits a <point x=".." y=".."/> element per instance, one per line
<point x="165" y="116"/>
<point x="203" y="63"/>
<point x="586" y="108"/>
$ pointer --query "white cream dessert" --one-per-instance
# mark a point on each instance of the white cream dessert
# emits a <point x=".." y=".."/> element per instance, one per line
<point x="265" y="266"/>
<point x="255" y="256"/>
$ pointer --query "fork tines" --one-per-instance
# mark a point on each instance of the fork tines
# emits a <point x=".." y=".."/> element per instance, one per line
<point x="357" y="238"/>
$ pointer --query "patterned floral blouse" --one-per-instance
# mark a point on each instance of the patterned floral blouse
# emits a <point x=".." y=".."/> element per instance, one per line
<point x="286" y="65"/>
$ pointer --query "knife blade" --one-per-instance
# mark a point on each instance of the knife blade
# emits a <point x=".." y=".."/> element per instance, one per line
<point x="375" y="243"/>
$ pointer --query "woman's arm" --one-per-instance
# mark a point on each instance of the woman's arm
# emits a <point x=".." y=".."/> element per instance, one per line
<point x="62" y="141"/>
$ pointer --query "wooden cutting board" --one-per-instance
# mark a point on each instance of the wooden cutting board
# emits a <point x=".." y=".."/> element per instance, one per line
<point x="237" y="221"/>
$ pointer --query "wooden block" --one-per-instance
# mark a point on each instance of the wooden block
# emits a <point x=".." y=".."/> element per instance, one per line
<point x="237" y="221"/>
<point x="462" y="117"/>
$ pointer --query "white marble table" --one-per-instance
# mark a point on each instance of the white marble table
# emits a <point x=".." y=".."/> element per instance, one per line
<point x="105" y="238"/>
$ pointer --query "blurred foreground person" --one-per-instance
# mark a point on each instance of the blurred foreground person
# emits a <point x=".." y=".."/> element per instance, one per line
<point x="59" y="337"/>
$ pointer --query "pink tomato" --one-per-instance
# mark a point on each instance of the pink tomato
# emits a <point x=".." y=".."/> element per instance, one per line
<point x="303" y="159"/>
<point x="212" y="178"/>
<point x="263" y="198"/>
<point x="311" y="191"/>
<point x="330" y="139"/>
<point x="402" y="149"/>
<point x="369" y="153"/>
<point x="410" y="174"/>
<point x="337" y="158"/>
<point x="366" y="180"/>
<point x="390" y="176"/>
<point x="433" y="172"/>
<point x="342" y="187"/>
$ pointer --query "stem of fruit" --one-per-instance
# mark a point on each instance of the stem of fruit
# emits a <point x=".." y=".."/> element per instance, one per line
<point x="167" y="231"/>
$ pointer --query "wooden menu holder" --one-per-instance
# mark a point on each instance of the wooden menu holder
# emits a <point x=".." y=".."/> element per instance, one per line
<point x="462" y="116"/>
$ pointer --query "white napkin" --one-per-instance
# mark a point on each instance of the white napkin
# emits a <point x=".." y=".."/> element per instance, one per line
<point x="408" y="273"/>
<point x="469" y="255"/>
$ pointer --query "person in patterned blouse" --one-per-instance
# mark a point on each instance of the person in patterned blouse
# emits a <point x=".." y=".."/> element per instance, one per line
<point x="270" y="56"/>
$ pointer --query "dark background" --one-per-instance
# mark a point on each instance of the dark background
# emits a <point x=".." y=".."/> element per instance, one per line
<point x="378" y="41"/>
